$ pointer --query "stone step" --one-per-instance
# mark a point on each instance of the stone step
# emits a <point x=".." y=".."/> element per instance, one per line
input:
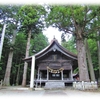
<point x="54" y="85"/>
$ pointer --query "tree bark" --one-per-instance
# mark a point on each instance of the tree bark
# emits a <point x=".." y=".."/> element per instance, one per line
<point x="9" y="62"/>
<point x="92" y="75"/>
<point x="82" y="64"/>
<point x="17" y="79"/>
<point x="26" y="64"/>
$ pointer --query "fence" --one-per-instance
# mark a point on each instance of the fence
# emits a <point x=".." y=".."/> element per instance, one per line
<point x="85" y="85"/>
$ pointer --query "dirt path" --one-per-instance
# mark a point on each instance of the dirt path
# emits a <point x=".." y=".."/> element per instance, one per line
<point x="25" y="94"/>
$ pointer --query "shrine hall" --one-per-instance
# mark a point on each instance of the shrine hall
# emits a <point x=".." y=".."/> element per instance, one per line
<point x="52" y="64"/>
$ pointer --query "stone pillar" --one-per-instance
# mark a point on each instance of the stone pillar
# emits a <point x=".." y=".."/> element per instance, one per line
<point x="32" y="72"/>
<point x="62" y="75"/>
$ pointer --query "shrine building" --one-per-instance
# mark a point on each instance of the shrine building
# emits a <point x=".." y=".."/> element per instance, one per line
<point x="52" y="64"/>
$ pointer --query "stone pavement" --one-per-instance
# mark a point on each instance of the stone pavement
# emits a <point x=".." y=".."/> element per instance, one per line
<point x="54" y="85"/>
<point x="59" y="94"/>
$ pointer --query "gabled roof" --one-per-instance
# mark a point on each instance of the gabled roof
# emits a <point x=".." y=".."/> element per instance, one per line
<point x="53" y="46"/>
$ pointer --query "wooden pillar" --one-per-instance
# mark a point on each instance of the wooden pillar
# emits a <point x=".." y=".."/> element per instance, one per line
<point x="38" y="73"/>
<point x="62" y="75"/>
<point x="40" y="79"/>
<point x="71" y="76"/>
<point x="32" y="72"/>
<point x="47" y="74"/>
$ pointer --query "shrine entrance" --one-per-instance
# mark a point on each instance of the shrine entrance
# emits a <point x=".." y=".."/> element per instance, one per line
<point x="50" y="74"/>
<point x="54" y="76"/>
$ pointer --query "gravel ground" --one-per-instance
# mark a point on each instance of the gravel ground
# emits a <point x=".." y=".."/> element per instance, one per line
<point x="25" y="93"/>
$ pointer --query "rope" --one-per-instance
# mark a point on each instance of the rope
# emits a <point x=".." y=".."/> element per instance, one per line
<point x="55" y="70"/>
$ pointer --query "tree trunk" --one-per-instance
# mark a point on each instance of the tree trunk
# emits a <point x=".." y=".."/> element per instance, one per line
<point x="8" y="68"/>
<point x="92" y="75"/>
<point x="2" y="39"/>
<point x="82" y="64"/>
<point x="98" y="42"/>
<point x="26" y="64"/>
<point x="9" y="62"/>
<point x="17" y="79"/>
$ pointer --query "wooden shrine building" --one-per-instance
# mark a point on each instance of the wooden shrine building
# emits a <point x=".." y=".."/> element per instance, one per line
<point x="53" y="63"/>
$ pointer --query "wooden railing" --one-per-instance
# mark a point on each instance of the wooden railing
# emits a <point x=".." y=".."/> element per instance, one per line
<point x="45" y="79"/>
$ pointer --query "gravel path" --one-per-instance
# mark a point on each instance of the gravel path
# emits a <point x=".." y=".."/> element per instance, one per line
<point x="25" y="94"/>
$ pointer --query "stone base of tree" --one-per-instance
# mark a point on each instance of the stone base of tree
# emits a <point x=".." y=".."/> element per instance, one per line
<point x="85" y="85"/>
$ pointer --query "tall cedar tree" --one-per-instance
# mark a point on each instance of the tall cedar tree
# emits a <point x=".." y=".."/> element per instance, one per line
<point x="9" y="16"/>
<point x="32" y="21"/>
<point x="78" y="20"/>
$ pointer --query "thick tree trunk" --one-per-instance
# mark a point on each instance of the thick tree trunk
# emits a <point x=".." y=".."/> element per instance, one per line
<point x="92" y="75"/>
<point x="26" y="64"/>
<point x="8" y="69"/>
<point x="9" y="62"/>
<point x="82" y="64"/>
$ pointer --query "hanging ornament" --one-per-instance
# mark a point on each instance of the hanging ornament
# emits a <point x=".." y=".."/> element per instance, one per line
<point x="54" y="70"/>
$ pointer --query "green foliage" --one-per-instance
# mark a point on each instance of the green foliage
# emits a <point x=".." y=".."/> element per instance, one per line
<point x="76" y="70"/>
<point x="38" y="43"/>
<point x="28" y="14"/>
<point x="70" y="45"/>
<point x="8" y="13"/>
<point x="31" y="16"/>
<point x="19" y="54"/>
<point x="32" y="22"/>
<point x="93" y="50"/>
<point x="0" y="68"/>
<point x="20" y="44"/>
<point x="22" y="18"/>
<point x="4" y="57"/>
<point x="78" y="20"/>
